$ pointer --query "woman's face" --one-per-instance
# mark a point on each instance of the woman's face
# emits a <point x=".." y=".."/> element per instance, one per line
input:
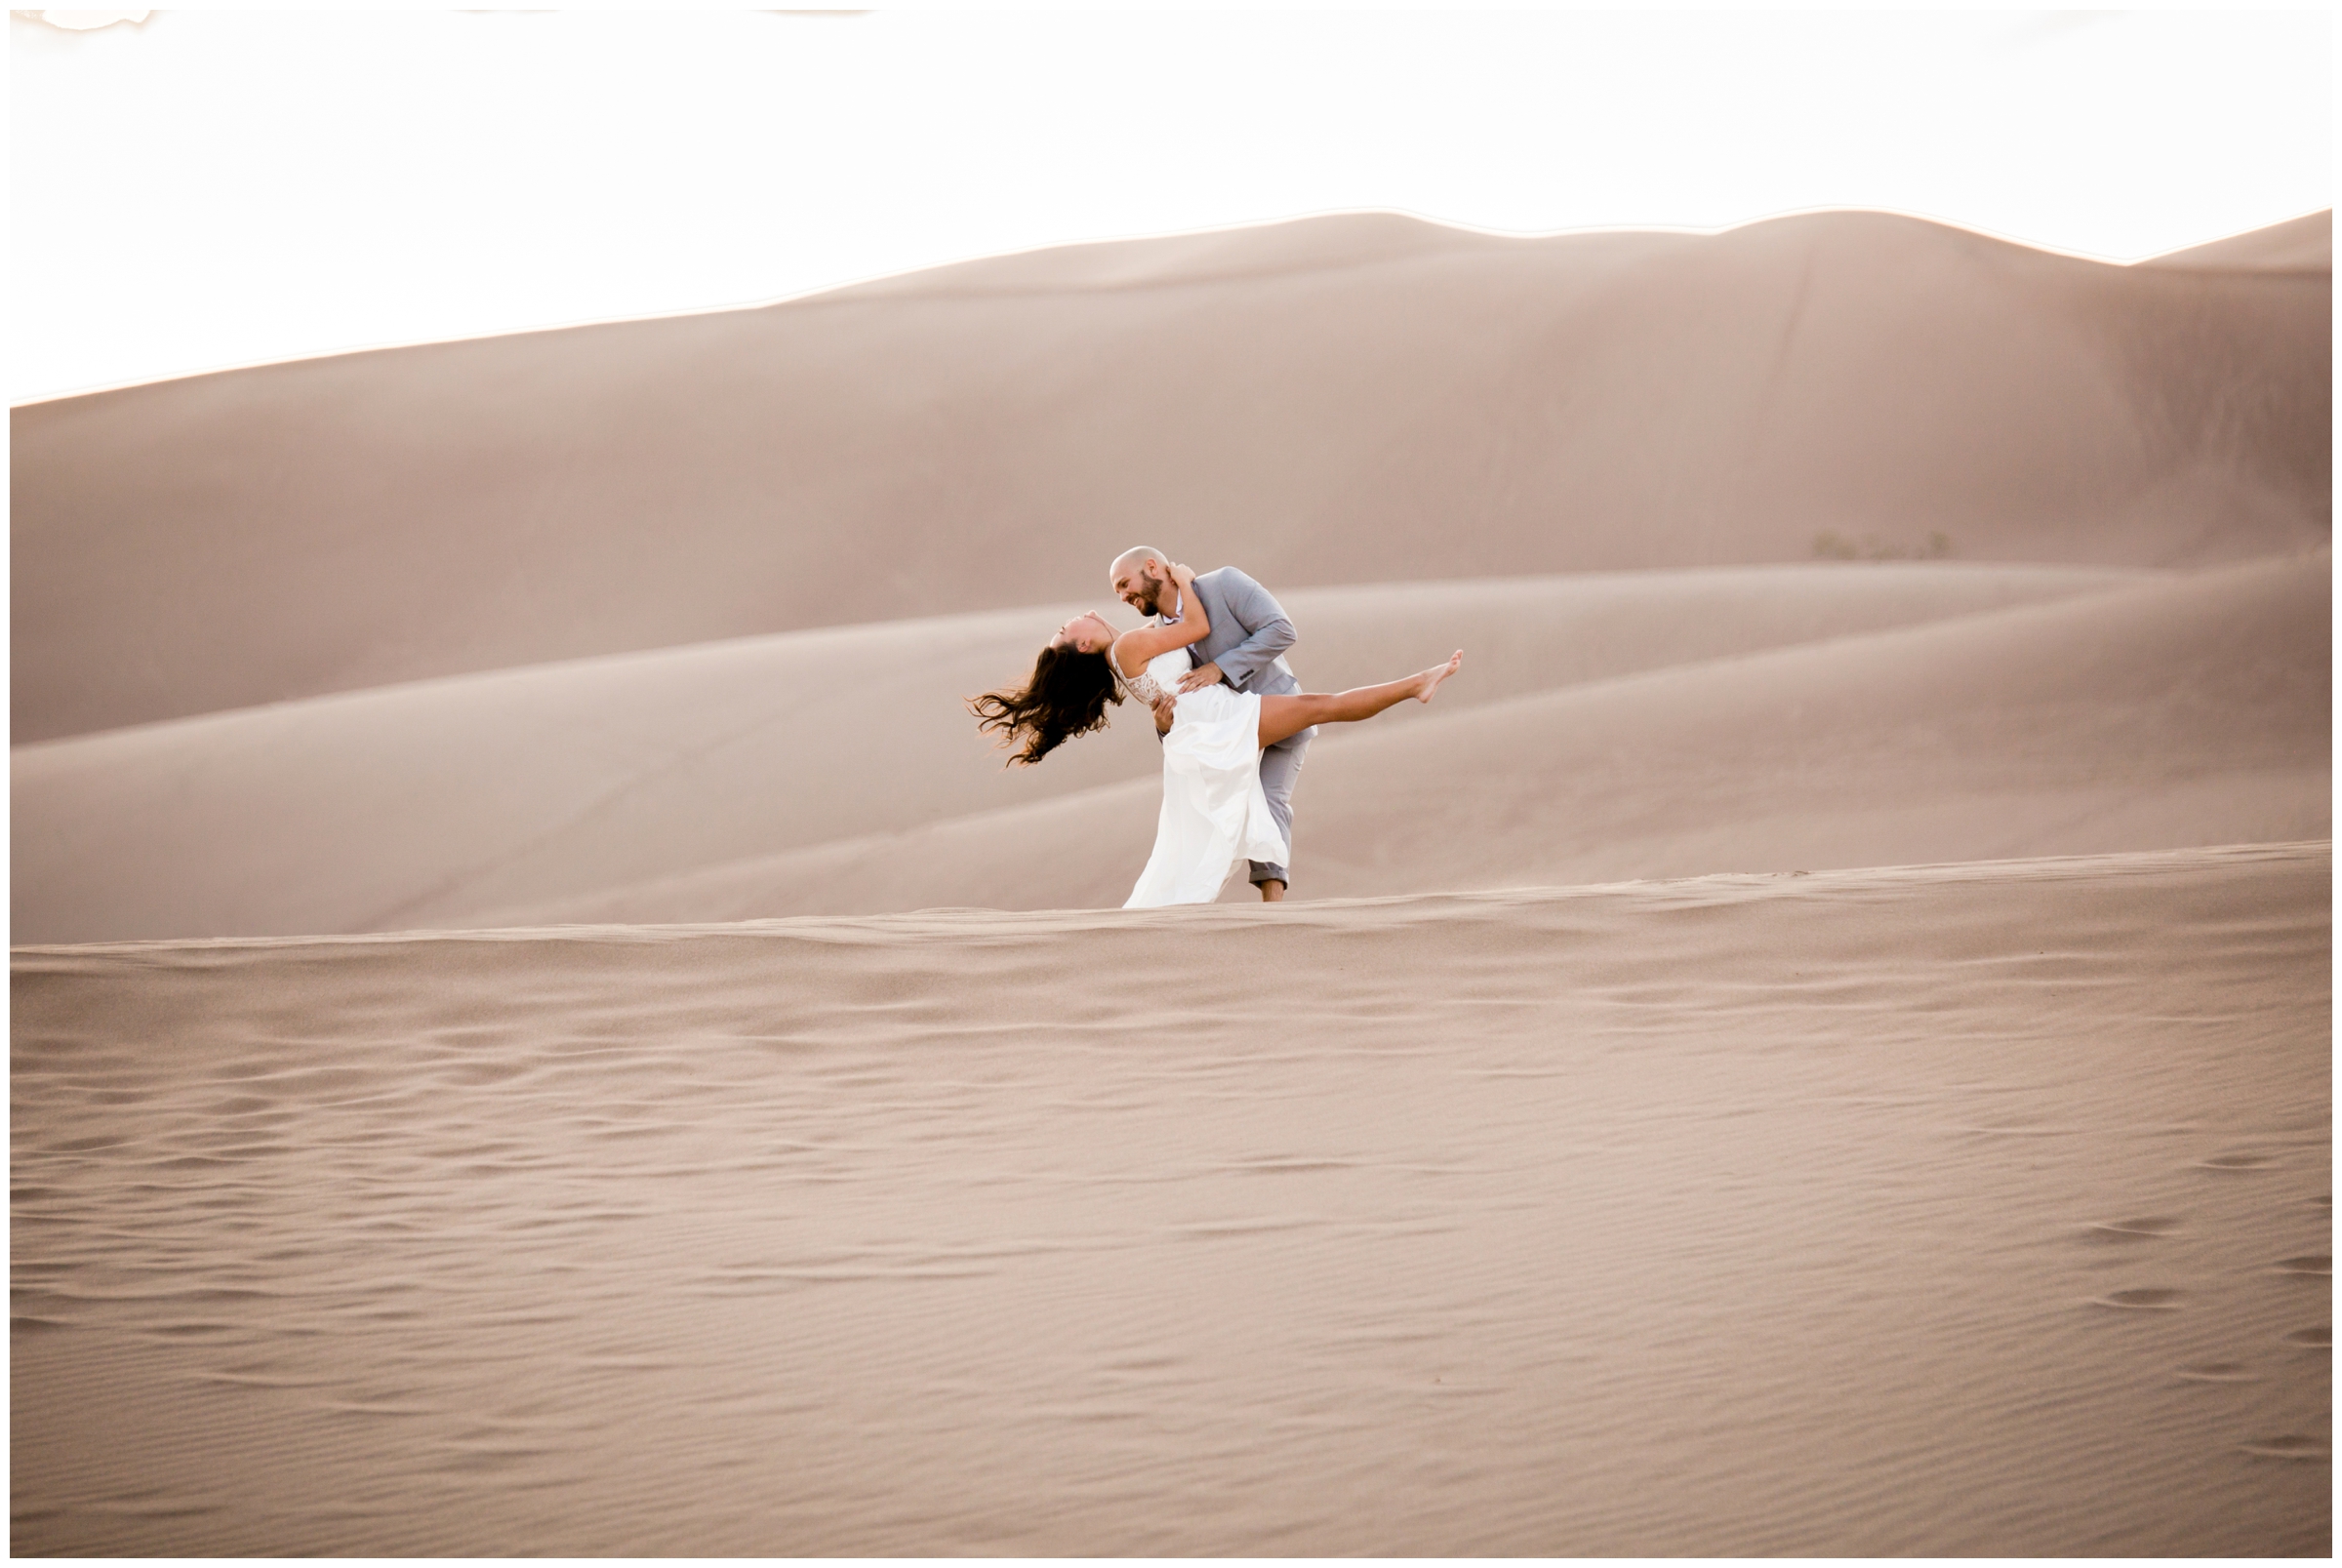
<point x="1086" y="632"/>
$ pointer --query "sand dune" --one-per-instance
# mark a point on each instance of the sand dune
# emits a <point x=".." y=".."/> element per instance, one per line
<point x="1350" y="399"/>
<point x="2303" y="244"/>
<point x="437" y="803"/>
<point x="1961" y="1210"/>
<point x="2169" y="713"/>
<point x="1785" y="1057"/>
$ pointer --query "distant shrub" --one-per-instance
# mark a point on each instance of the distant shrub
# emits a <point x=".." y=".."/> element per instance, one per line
<point x="1831" y="545"/>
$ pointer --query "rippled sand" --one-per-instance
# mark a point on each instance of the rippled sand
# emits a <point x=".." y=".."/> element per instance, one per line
<point x="1968" y="1209"/>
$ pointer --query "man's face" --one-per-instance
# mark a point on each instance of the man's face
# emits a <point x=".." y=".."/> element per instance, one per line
<point x="1140" y="586"/>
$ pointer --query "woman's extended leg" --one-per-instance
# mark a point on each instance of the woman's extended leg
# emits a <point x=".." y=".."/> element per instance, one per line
<point x="1282" y="716"/>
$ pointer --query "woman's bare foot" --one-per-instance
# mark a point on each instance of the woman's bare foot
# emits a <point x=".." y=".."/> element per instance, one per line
<point x="1431" y="678"/>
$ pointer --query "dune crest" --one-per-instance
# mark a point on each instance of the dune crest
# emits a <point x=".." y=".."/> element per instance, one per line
<point x="439" y="802"/>
<point x="2301" y="245"/>
<point x="2189" y="710"/>
<point x="1350" y="399"/>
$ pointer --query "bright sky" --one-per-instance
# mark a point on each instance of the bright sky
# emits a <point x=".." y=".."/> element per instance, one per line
<point x="211" y="188"/>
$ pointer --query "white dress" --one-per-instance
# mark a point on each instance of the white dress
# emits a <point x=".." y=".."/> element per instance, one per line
<point x="1214" y="813"/>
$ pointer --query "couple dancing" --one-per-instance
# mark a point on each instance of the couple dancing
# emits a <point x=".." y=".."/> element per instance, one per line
<point x="1232" y="719"/>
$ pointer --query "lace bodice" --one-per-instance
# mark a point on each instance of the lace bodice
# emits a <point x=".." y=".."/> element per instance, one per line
<point x="1146" y="685"/>
<point x="1143" y="685"/>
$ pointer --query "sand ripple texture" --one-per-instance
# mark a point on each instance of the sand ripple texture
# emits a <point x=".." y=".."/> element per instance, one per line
<point x="1971" y="1209"/>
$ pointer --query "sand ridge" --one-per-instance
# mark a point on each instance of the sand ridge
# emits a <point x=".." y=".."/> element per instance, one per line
<point x="1350" y="399"/>
<point x="442" y="801"/>
<point x="2303" y="243"/>
<point x="2170" y="712"/>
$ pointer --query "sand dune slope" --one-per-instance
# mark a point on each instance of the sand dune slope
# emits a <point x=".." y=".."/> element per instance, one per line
<point x="2188" y="711"/>
<point x="1979" y="1209"/>
<point x="1347" y="399"/>
<point x="2303" y="244"/>
<point x="431" y="803"/>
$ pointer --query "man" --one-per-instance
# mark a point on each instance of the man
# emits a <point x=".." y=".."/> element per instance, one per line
<point x="1246" y="650"/>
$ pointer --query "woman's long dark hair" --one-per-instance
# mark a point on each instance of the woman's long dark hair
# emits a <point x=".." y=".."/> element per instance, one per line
<point x="1067" y="696"/>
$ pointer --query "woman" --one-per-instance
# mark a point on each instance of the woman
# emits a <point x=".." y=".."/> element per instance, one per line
<point x="1214" y="813"/>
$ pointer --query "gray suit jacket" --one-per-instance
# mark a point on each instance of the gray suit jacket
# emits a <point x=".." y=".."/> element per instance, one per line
<point x="1249" y="633"/>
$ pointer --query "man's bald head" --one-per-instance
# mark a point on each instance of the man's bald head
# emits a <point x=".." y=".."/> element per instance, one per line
<point x="1135" y="556"/>
<point x="1139" y="576"/>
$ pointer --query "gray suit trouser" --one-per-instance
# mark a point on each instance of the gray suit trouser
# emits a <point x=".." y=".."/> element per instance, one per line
<point x="1280" y="766"/>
